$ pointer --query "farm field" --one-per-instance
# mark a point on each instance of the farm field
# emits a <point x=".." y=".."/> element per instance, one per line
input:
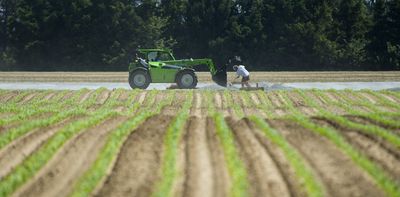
<point x="199" y="143"/>
<point x="280" y="77"/>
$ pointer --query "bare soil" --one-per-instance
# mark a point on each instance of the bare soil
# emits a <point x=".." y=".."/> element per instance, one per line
<point x="288" y="174"/>
<point x="327" y="160"/>
<point x="340" y="76"/>
<point x="85" y="96"/>
<point x="138" y="164"/>
<point x="18" y="150"/>
<point x="28" y="97"/>
<point x="388" y="146"/>
<point x="373" y="149"/>
<point x="199" y="177"/>
<point x="57" y="178"/>
<point x="221" y="180"/>
<point x="263" y="172"/>
<point x="201" y="163"/>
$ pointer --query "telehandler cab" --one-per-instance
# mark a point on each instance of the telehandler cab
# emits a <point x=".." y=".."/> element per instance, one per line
<point x="160" y="66"/>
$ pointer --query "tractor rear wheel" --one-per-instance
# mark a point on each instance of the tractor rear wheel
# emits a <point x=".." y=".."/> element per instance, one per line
<point x="139" y="78"/>
<point x="186" y="79"/>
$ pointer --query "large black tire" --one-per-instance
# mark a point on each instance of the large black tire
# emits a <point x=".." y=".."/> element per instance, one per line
<point x="139" y="78"/>
<point x="186" y="79"/>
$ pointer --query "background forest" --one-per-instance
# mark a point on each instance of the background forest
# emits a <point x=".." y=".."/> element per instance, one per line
<point x="269" y="35"/>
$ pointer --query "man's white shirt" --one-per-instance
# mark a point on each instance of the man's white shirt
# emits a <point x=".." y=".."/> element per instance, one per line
<point x="241" y="71"/>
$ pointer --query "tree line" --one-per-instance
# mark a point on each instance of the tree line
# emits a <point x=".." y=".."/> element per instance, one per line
<point x="103" y="35"/>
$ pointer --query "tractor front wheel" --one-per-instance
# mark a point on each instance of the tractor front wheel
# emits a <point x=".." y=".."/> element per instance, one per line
<point x="186" y="79"/>
<point x="139" y="79"/>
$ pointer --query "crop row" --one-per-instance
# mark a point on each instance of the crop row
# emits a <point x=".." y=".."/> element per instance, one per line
<point x="137" y="113"/>
<point x="30" y="166"/>
<point x="381" y="178"/>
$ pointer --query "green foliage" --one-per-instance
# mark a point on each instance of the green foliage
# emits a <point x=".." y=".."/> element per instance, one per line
<point x="366" y="128"/>
<point x="303" y="173"/>
<point x="33" y="163"/>
<point x="269" y="35"/>
<point x="172" y="140"/>
<point x="236" y="169"/>
<point x="384" y="48"/>
<point x="389" y="186"/>
<point x="376" y="114"/>
<point x="235" y="166"/>
<point x="88" y="181"/>
<point x="231" y="104"/>
<point x="266" y="104"/>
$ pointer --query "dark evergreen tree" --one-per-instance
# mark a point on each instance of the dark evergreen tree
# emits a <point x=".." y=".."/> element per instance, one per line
<point x="393" y="44"/>
<point x="267" y="34"/>
<point x="352" y="23"/>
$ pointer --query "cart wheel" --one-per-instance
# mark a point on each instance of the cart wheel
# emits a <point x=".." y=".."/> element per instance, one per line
<point x="139" y="78"/>
<point x="186" y="79"/>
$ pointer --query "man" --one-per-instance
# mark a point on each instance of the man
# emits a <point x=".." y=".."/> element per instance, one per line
<point x="242" y="72"/>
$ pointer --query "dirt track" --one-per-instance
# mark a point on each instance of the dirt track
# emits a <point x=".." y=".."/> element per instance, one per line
<point x="282" y="77"/>
<point x="201" y="161"/>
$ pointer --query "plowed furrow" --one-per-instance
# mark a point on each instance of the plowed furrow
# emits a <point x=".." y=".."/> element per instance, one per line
<point x="276" y="102"/>
<point x="220" y="175"/>
<point x="8" y="97"/>
<point x="384" y="143"/>
<point x="300" y="104"/>
<point x="18" y="150"/>
<point x="27" y="98"/>
<point x="337" y="171"/>
<point x="102" y="98"/>
<point x="49" y="96"/>
<point x="18" y="122"/>
<point x="85" y="96"/>
<point x="225" y="109"/>
<point x="375" y="152"/>
<point x="141" y="97"/>
<point x="366" y="120"/>
<point x="287" y="171"/>
<point x="59" y="175"/>
<point x="262" y="170"/>
<point x="196" y="106"/>
<point x="199" y="169"/>
<point x="138" y="164"/>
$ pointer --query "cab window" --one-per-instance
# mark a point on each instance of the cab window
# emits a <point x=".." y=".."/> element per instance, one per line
<point x="152" y="56"/>
<point x="164" y="57"/>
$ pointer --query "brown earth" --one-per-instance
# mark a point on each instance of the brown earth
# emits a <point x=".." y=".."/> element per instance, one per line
<point x="282" y="163"/>
<point x="384" y="143"/>
<point x="14" y="153"/>
<point x="17" y="123"/>
<point x="376" y="153"/>
<point x="220" y="176"/>
<point x="85" y="96"/>
<point x="263" y="172"/>
<point x="365" y="120"/>
<point x="8" y="96"/>
<point x="199" y="169"/>
<point x="201" y="163"/>
<point x="122" y="77"/>
<point x="49" y="96"/>
<point x="27" y="98"/>
<point x="373" y="149"/>
<point x="327" y="160"/>
<point x="58" y="176"/>
<point x="137" y="167"/>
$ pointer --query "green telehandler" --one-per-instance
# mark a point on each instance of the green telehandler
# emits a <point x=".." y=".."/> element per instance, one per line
<point x="160" y="66"/>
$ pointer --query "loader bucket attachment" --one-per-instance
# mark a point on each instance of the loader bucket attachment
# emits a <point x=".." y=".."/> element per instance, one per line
<point x="220" y="77"/>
